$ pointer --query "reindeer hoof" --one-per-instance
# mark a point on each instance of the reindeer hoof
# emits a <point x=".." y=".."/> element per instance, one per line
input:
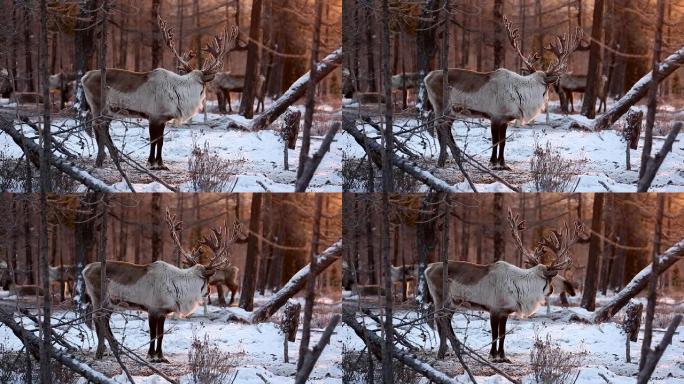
<point x="504" y="167"/>
<point x="504" y="360"/>
<point x="163" y="359"/>
<point x="162" y="167"/>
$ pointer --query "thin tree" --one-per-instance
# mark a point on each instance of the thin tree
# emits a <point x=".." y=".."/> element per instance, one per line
<point x="252" y="258"/>
<point x="156" y="43"/>
<point x="498" y="46"/>
<point x="653" y="284"/>
<point x="499" y="244"/>
<point x="45" y="187"/>
<point x="593" y="261"/>
<point x="387" y="169"/>
<point x="247" y="101"/>
<point x="652" y="91"/>
<point x="594" y="73"/>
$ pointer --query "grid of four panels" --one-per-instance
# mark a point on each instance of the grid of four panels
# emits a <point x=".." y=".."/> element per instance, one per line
<point x="346" y="191"/>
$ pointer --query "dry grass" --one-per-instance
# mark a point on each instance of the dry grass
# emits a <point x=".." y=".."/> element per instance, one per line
<point x="208" y="171"/>
<point x="550" y="171"/>
<point x="551" y="365"/>
<point x="208" y="364"/>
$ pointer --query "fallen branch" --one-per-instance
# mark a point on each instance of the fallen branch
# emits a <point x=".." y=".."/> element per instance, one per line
<point x="374" y="342"/>
<point x="32" y="344"/>
<point x="653" y="164"/>
<point x="405" y="165"/>
<point x="294" y="285"/>
<point x="65" y="166"/>
<point x="639" y="282"/>
<point x="312" y="355"/>
<point x="639" y="90"/>
<point x="313" y="162"/>
<point x="296" y="91"/>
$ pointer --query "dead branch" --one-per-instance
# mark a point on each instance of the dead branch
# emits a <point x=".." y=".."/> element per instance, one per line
<point x="654" y="355"/>
<point x="313" y="354"/>
<point x="313" y="162"/>
<point x="32" y="344"/>
<point x="62" y="165"/>
<point x="653" y="164"/>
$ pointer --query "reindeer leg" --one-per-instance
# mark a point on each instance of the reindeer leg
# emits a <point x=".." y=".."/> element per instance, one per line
<point x="442" y="332"/>
<point x="572" y="102"/>
<point x="221" y="298"/>
<point x="494" y="323"/>
<point x="100" y="338"/>
<point x="230" y="103"/>
<point x="160" y="338"/>
<point x="502" y="145"/>
<point x="152" y="318"/>
<point x="232" y="295"/>
<point x="221" y="98"/>
<point x="160" y="144"/>
<point x="153" y="145"/>
<point x="495" y="141"/>
<point x="502" y="338"/>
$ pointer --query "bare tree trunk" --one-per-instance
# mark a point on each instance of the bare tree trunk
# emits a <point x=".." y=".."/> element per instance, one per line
<point x="594" y="73"/>
<point x="311" y="282"/>
<point x="388" y="135"/>
<point x="499" y="52"/>
<point x="593" y="262"/>
<point x="652" y="94"/>
<point x="157" y="251"/>
<point x="252" y="258"/>
<point x="310" y="92"/>
<point x="156" y="43"/>
<point x="45" y="188"/>
<point x="653" y="285"/>
<point x="499" y="244"/>
<point x="28" y="54"/>
<point x="247" y="101"/>
<point x="425" y="43"/>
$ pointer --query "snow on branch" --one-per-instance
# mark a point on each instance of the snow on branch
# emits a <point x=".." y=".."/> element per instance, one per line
<point x="405" y="165"/>
<point x="69" y="168"/>
<point x="639" y="90"/>
<point x="639" y="282"/>
<point x="654" y="163"/>
<point x="33" y="343"/>
<point x="374" y="343"/>
<point x="294" y="285"/>
<point x="297" y="90"/>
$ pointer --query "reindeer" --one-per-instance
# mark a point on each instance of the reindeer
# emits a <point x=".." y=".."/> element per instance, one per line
<point x="563" y="288"/>
<point x="570" y="83"/>
<point x="159" y="288"/>
<point x="405" y="81"/>
<point x="159" y="95"/>
<point x="65" y="276"/>
<point x="500" y="288"/>
<point x="64" y="84"/>
<point x="408" y="273"/>
<point x="501" y="95"/>
<point x="5" y="278"/>
<point x="26" y="290"/>
<point x="229" y="278"/>
<point x="224" y="83"/>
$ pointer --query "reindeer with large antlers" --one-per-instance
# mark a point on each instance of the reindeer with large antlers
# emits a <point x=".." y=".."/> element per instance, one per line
<point x="501" y="95"/>
<point x="500" y="288"/>
<point x="158" y="96"/>
<point x="159" y="287"/>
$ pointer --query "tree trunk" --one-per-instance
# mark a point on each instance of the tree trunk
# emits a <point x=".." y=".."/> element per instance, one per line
<point x="252" y="258"/>
<point x="28" y="53"/>
<point x="156" y="34"/>
<point x="652" y="296"/>
<point x="388" y="135"/>
<point x="426" y="38"/>
<point x="499" y="52"/>
<point x="594" y="73"/>
<point x="249" y="91"/>
<point x="499" y="243"/>
<point x="593" y="261"/>
<point x="157" y="245"/>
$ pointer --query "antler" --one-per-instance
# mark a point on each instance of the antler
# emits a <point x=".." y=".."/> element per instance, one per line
<point x="514" y="39"/>
<point x="560" y="243"/>
<point x="517" y="226"/>
<point x="218" y="47"/>
<point x="175" y="227"/>
<point x="562" y="47"/>
<point x="167" y="33"/>
<point x="220" y="242"/>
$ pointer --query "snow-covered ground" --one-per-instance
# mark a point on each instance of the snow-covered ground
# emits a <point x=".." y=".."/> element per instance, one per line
<point x="603" y="346"/>
<point x="255" y="158"/>
<point x="253" y="349"/>
<point x="599" y="156"/>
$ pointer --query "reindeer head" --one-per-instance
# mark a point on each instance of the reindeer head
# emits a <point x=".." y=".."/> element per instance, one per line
<point x="562" y="47"/>
<point x="220" y="46"/>
<point x="219" y="242"/>
<point x="551" y="254"/>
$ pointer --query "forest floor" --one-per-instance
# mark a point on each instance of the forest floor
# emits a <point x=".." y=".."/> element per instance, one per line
<point x="599" y="348"/>
<point x="253" y="351"/>
<point x="254" y="160"/>
<point x="597" y="159"/>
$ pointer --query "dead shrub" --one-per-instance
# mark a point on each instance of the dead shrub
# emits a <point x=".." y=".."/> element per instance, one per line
<point x="13" y="369"/>
<point x="550" y="171"/>
<point x="208" y="171"/>
<point x="11" y="173"/>
<point x="208" y="364"/>
<point x="356" y="177"/>
<point x="551" y="365"/>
